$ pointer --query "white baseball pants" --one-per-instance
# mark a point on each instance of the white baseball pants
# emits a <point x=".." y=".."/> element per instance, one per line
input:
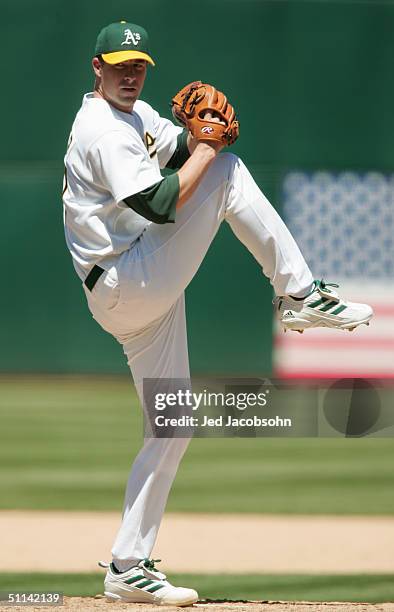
<point x="140" y="300"/>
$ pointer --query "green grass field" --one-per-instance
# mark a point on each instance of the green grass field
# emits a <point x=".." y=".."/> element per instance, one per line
<point x="374" y="589"/>
<point x="67" y="443"/>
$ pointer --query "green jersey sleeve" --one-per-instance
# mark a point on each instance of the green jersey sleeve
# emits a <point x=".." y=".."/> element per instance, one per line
<point x="181" y="153"/>
<point x="158" y="202"/>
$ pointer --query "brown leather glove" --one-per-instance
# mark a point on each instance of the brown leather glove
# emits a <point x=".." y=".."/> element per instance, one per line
<point x="206" y="113"/>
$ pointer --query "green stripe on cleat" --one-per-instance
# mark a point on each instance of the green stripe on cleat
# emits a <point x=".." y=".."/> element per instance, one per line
<point x="155" y="588"/>
<point x="134" y="579"/>
<point x="328" y="306"/>
<point x="143" y="584"/>
<point x="317" y="303"/>
<point x="339" y="309"/>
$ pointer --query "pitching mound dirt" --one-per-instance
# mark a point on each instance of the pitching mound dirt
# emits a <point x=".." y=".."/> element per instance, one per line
<point x="100" y="603"/>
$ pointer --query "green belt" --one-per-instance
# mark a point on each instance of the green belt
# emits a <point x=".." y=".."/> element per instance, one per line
<point x="93" y="277"/>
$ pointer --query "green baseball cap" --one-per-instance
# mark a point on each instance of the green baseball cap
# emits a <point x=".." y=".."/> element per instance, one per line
<point x="122" y="41"/>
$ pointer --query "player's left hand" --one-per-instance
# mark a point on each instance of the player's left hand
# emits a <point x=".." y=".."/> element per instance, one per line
<point x="206" y="112"/>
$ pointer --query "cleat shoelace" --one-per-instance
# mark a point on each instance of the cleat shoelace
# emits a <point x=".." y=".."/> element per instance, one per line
<point x="150" y="564"/>
<point x="317" y="285"/>
<point x="323" y="284"/>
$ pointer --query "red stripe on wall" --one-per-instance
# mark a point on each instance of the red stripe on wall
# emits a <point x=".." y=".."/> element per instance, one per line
<point x="321" y="342"/>
<point x="383" y="310"/>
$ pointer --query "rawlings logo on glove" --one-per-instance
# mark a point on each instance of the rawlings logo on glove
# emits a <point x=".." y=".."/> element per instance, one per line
<point x="206" y="113"/>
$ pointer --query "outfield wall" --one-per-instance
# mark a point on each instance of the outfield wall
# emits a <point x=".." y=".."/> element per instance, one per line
<point x="314" y="87"/>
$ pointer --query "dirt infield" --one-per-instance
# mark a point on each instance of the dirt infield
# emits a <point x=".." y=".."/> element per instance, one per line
<point x="81" y="604"/>
<point x="198" y="543"/>
<point x="350" y="544"/>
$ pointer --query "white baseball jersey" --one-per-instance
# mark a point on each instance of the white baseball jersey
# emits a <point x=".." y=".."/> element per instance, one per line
<point x="140" y="298"/>
<point x="111" y="155"/>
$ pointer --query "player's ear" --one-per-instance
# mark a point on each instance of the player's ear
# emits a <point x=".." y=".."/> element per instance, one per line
<point x="97" y="66"/>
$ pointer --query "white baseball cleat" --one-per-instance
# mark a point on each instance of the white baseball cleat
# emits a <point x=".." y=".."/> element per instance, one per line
<point x="322" y="307"/>
<point x="144" y="584"/>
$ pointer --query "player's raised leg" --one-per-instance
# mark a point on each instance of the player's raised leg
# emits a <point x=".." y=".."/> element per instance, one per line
<point x="228" y="192"/>
<point x="166" y="257"/>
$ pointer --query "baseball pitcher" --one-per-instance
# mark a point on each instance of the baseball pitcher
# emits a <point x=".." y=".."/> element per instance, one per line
<point x="137" y="238"/>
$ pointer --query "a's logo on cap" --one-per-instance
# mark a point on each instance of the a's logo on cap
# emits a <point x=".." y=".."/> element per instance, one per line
<point x="131" y="37"/>
<point x="207" y="129"/>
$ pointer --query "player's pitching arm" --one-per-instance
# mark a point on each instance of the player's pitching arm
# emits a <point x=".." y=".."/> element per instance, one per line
<point x="211" y="124"/>
<point x="194" y="168"/>
<point x="159" y="202"/>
